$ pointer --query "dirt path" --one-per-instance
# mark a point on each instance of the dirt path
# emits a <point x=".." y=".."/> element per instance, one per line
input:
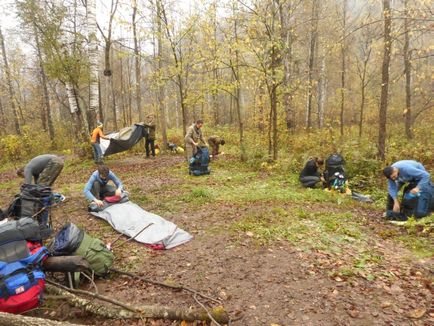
<point x="278" y="282"/>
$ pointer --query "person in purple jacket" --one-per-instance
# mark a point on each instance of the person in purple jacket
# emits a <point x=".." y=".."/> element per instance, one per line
<point x="98" y="187"/>
<point x="408" y="172"/>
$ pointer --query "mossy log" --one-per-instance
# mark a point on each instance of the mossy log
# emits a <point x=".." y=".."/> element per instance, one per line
<point x="126" y="311"/>
<point x="7" y="319"/>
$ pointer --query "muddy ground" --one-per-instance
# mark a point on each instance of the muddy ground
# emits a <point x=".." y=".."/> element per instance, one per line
<point x="279" y="282"/>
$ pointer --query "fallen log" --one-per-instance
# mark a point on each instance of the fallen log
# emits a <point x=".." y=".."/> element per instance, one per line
<point x="65" y="264"/>
<point x="130" y="312"/>
<point x="7" y="319"/>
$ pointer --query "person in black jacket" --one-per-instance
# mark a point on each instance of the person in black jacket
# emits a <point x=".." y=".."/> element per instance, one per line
<point x="310" y="175"/>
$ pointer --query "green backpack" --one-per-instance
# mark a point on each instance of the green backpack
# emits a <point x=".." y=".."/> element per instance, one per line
<point x="96" y="253"/>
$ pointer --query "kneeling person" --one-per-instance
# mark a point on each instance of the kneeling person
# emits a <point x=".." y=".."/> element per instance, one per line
<point x="44" y="169"/>
<point x="310" y="175"/>
<point x="97" y="187"/>
<point x="215" y="142"/>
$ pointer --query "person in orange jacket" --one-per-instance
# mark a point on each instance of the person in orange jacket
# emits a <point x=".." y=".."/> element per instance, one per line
<point x="96" y="135"/>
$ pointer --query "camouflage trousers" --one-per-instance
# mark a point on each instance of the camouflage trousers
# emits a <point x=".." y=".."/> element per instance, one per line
<point x="51" y="172"/>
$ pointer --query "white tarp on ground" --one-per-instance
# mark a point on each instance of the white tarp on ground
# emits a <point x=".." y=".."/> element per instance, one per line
<point x="129" y="219"/>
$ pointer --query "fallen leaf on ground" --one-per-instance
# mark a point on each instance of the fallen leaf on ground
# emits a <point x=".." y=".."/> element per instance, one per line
<point x="416" y="313"/>
<point x="386" y="304"/>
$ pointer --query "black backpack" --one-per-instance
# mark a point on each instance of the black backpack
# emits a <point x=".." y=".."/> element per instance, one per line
<point x="33" y="201"/>
<point x="334" y="173"/>
<point x="199" y="162"/>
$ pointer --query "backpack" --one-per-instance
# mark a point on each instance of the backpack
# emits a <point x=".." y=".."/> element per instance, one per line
<point x="71" y="240"/>
<point x="199" y="162"/>
<point x="33" y="201"/>
<point x="334" y="173"/>
<point x="96" y="253"/>
<point x="22" y="281"/>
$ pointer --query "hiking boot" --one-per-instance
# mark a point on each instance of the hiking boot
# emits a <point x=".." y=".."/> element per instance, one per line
<point x="393" y="216"/>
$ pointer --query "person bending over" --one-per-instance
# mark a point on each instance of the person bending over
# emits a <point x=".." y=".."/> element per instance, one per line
<point x="43" y="169"/>
<point x="98" y="187"/>
<point x="193" y="138"/>
<point x="408" y="172"/>
<point x="310" y="176"/>
<point x="215" y="142"/>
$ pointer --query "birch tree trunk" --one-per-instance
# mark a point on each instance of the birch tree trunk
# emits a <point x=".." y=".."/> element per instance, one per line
<point x="10" y="87"/>
<point x="93" y="62"/>
<point x="322" y="92"/>
<point x="384" y="80"/>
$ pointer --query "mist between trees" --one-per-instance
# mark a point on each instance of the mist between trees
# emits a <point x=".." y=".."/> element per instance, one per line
<point x="272" y="68"/>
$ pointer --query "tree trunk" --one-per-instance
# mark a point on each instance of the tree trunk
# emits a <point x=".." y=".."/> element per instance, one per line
<point x="322" y="92"/>
<point x="313" y="40"/>
<point x="362" y="106"/>
<point x="78" y="119"/>
<point x="161" y="104"/>
<point x="285" y="11"/>
<point x="7" y="319"/>
<point x="384" y="80"/>
<point x="138" y="83"/>
<point x="2" y="119"/>
<point x="93" y="62"/>
<point x="343" y="68"/>
<point x="47" y="111"/>
<point x="179" y="70"/>
<point x="10" y="87"/>
<point x="238" y="99"/>
<point x="407" y="69"/>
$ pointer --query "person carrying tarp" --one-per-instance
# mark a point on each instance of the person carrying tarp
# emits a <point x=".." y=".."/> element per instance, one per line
<point x="44" y="169"/>
<point x="150" y="135"/>
<point x="193" y="137"/>
<point x="97" y="187"/>
<point x="215" y="142"/>
<point x="418" y="187"/>
<point x="95" y="137"/>
<point x="310" y="176"/>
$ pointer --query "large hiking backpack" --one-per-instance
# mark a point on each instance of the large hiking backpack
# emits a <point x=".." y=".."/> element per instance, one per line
<point x="70" y="240"/>
<point x="22" y="281"/>
<point x="334" y="173"/>
<point x="419" y="205"/>
<point x="199" y="162"/>
<point x="33" y="201"/>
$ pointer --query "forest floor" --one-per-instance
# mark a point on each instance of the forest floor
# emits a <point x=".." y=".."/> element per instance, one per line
<point x="274" y="253"/>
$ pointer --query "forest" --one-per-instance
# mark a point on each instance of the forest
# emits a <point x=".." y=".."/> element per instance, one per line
<point x="281" y="81"/>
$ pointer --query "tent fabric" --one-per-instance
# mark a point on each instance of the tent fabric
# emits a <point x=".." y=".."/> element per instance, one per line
<point x="122" y="140"/>
<point x="130" y="220"/>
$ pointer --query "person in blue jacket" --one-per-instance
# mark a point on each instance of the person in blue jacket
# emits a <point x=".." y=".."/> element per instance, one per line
<point x="98" y="187"/>
<point x="418" y="182"/>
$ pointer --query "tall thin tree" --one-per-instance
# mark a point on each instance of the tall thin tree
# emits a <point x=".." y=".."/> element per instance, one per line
<point x="9" y="83"/>
<point x="382" y="122"/>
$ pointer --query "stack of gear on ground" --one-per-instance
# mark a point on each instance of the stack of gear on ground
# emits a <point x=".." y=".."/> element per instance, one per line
<point x="71" y="240"/>
<point x="199" y="162"/>
<point x="334" y="173"/>
<point x="22" y="281"/>
<point x="33" y="201"/>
